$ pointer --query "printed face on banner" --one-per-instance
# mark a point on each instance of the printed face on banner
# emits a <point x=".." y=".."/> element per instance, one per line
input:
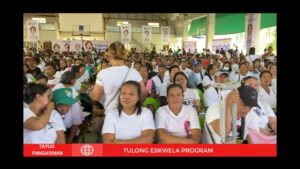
<point x="88" y="45"/>
<point x="66" y="45"/>
<point x="57" y="46"/>
<point x="125" y="33"/>
<point x="33" y="31"/>
<point x="165" y="34"/>
<point x="147" y="32"/>
<point x="76" y="45"/>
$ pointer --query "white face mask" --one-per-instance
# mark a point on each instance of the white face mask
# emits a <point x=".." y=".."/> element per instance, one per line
<point x="153" y="63"/>
<point x="98" y="61"/>
<point x="226" y="68"/>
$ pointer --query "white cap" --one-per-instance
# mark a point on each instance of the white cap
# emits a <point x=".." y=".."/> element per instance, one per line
<point x="218" y="73"/>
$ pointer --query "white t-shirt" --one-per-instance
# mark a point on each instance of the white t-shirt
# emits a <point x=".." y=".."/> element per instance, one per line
<point x="186" y="71"/>
<point x="52" y="83"/>
<point x="211" y="96"/>
<point x="60" y="85"/>
<point x="274" y="84"/>
<point x="58" y="74"/>
<point x="189" y="96"/>
<point x="111" y="79"/>
<point x="46" y="135"/>
<point x="165" y="119"/>
<point x="29" y="77"/>
<point x="73" y="117"/>
<point x="84" y="77"/>
<point x="128" y="126"/>
<point x="251" y="121"/>
<point x="239" y="77"/>
<point x="163" y="89"/>
<point x="265" y="97"/>
<point x="206" y="78"/>
<point x="167" y="76"/>
<point x="157" y="83"/>
<point x="263" y="113"/>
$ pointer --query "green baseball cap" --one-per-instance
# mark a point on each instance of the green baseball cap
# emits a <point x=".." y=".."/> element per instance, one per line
<point x="63" y="96"/>
<point x="151" y="101"/>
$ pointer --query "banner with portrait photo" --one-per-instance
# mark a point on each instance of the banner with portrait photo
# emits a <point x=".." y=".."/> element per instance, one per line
<point x="33" y="33"/>
<point x="146" y="34"/>
<point x="125" y="33"/>
<point x="250" y="29"/>
<point x="76" y="46"/>
<point x="87" y="45"/>
<point x="101" y="45"/>
<point x="165" y="34"/>
<point x="218" y="44"/>
<point x="189" y="46"/>
<point x="57" y="46"/>
<point x="66" y="45"/>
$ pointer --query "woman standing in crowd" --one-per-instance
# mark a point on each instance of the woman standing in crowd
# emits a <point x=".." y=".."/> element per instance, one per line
<point x="191" y="96"/>
<point x="41" y="125"/>
<point x="177" y="123"/>
<point x="130" y="123"/>
<point x="69" y="110"/>
<point x="108" y="85"/>
<point x="266" y="93"/>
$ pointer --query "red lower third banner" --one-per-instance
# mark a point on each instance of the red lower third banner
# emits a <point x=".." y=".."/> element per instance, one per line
<point x="150" y="150"/>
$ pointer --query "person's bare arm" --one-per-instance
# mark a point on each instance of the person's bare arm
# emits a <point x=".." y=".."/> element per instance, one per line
<point x="97" y="92"/>
<point x="38" y="123"/>
<point x="108" y="138"/>
<point x="166" y="138"/>
<point x="272" y="123"/>
<point x="197" y="104"/>
<point x="145" y="138"/>
<point x="73" y="132"/>
<point x="60" y="137"/>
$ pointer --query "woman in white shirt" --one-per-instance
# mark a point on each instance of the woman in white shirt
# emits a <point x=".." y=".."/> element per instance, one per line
<point x="209" y="75"/>
<point x="130" y="123"/>
<point x="177" y="123"/>
<point x="266" y="117"/>
<point x="109" y="80"/>
<point x="266" y="93"/>
<point x="41" y="125"/>
<point x="244" y="72"/>
<point x="191" y="96"/>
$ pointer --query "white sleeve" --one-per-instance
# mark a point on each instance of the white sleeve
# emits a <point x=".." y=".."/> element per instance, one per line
<point x="251" y="121"/>
<point x="27" y="114"/>
<point x="77" y="115"/>
<point x="136" y="75"/>
<point x="212" y="113"/>
<point x="196" y="95"/>
<point x="58" y="122"/>
<point x="194" y="119"/>
<point x="269" y="111"/>
<point x="99" y="79"/>
<point x="109" y="124"/>
<point x="148" y="121"/>
<point x="160" y="119"/>
<point x="208" y="99"/>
